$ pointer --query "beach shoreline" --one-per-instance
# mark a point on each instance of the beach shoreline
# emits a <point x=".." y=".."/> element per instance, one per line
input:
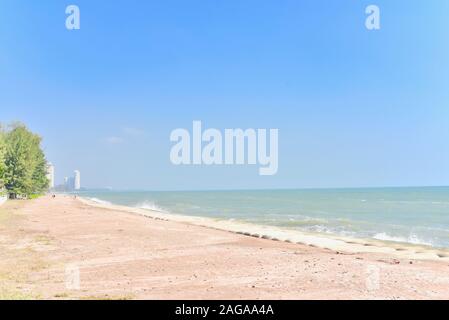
<point x="115" y="252"/>
<point x="320" y="240"/>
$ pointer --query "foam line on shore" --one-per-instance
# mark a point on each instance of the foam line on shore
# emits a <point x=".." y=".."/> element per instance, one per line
<point x="324" y="241"/>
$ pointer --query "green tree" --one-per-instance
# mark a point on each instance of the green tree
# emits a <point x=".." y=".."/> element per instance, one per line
<point x="25" y="164"/>
<point x="2" y="159"/>
<point x="40" y="182"/>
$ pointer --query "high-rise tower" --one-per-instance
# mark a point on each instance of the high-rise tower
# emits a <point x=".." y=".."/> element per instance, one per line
<point x="51" y="175"/>
<point x="77" y="182"/>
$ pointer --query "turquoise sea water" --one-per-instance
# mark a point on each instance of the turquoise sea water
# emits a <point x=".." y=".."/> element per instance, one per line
<point x="413" y="215"/>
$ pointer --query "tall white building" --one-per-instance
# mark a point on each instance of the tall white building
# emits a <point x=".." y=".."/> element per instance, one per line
<point x="77" y="182"/>
<point x="51" y="175"/>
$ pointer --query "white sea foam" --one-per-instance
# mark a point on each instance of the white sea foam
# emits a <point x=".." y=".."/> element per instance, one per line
<point x="149" y="205"/>
<point x="412" y="238"/>
<point x="99" y="201"/>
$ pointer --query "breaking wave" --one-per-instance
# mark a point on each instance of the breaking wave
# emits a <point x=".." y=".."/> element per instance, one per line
<point x="412" y="238"/>
<point x="149" y="205"/>
<point x="99" y="201"/>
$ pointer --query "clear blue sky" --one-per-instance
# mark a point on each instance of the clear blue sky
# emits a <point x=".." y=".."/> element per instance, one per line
<point x="354" y="107"/>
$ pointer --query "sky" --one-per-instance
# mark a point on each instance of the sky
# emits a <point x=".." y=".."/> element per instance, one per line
<point x="354" y="107"/>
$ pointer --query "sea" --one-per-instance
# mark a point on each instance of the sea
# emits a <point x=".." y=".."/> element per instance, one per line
<point x="418" y="215"/>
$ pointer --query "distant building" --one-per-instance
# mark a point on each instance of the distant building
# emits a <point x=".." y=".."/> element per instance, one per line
<point x="73" y="183"/>
<point x="51" y="175"/>
<point x="70" y="184"/>
<point x="77" y="180"/>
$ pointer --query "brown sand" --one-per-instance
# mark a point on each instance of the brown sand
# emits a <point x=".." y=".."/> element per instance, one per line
<point x="125" y="256"/>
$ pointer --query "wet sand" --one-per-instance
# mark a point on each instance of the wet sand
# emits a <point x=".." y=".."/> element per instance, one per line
<point x="65" y="248"/>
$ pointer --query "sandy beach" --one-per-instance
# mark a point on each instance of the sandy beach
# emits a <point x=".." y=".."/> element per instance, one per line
<point x="65" y="248"/>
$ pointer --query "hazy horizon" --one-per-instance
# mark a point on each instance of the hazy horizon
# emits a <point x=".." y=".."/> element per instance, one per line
<point x="108" y="189"/>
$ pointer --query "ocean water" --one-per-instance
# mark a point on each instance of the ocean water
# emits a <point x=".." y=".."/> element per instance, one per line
<point x="409" y="215"/>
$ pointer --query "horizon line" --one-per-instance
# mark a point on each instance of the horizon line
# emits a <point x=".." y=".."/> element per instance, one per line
<point x="86" y="189"/>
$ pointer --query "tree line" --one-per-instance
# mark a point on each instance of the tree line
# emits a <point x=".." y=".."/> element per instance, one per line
<point x="23" y="167"/>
